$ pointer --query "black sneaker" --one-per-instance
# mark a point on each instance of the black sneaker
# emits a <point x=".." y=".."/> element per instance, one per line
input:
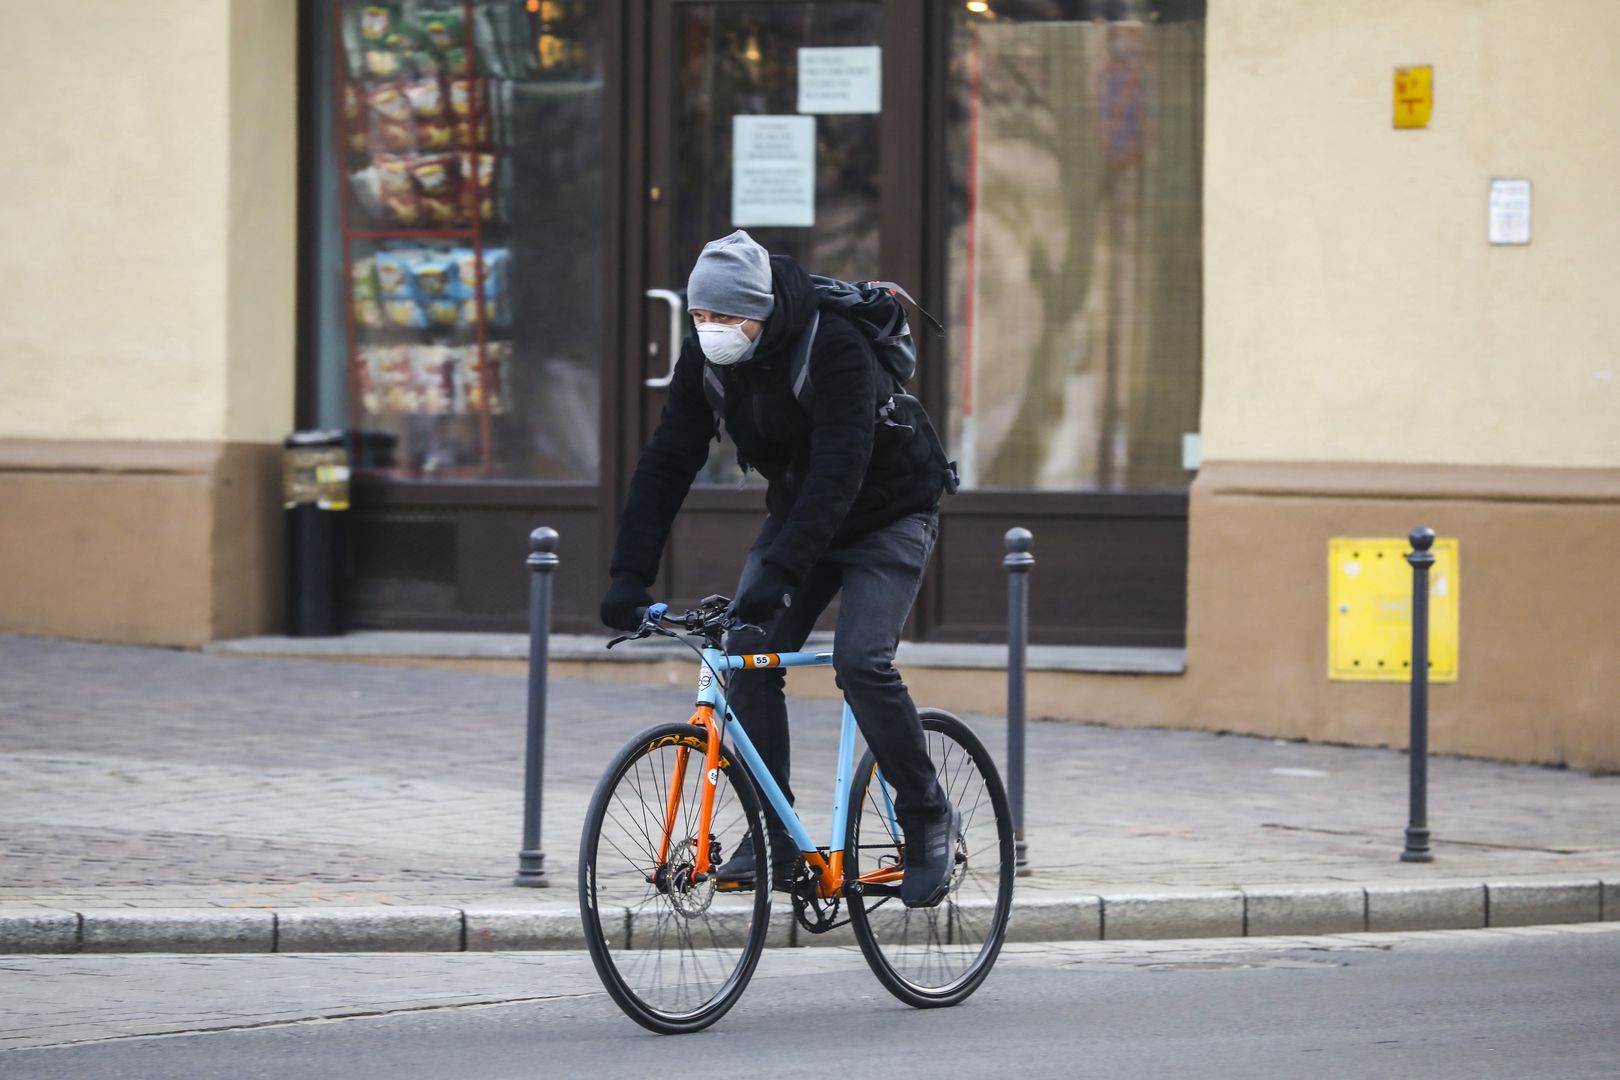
<point x="930" y="859"/>
<point x="737" y="873"/>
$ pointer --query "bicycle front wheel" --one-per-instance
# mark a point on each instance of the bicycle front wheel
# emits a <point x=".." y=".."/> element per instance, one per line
<point x="930" y="957"/>
<point x="674" y="952"/>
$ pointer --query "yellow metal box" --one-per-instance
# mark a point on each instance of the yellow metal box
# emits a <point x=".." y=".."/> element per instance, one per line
<point x="1370" y="610"/>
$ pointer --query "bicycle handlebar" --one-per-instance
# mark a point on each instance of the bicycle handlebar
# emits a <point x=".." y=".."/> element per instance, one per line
<point x="710" y="618"/>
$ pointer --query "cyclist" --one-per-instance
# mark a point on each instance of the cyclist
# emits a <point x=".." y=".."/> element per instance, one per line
<point x="852" y="505"/>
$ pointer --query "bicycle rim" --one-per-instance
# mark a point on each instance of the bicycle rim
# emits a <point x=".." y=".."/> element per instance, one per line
<point x="936" y="956"/>
<point x="673" y="954"/>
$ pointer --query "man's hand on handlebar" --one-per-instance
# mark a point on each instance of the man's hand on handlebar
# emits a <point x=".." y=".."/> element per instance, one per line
<point x="712" y="616"/>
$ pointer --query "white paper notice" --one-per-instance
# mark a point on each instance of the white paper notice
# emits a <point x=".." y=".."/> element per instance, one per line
<point x="844" y="80"/>
<point x="773" y="170"/>
<point x="1510" y="211"/>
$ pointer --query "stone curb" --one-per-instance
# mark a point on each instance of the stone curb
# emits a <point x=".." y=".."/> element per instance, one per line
<point x="1254" y="911"/>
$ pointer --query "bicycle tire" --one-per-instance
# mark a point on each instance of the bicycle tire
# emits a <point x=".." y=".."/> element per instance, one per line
<point x="629" y="916"/>
<point x="938" y="956"/>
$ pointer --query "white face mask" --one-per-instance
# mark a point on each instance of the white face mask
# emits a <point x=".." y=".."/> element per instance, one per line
<point x="725" y="343"/>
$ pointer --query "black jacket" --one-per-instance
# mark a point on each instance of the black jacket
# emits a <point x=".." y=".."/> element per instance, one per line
<point x="834" y="472"/>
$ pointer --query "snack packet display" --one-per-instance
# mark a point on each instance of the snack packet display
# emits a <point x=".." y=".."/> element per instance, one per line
<point x="405" y="312"/>
<point x="426" y="97"/>
<point x="442" y="212"/>
<point x="434" y="369"/>
<point x="478" y="184"/>
<point x="466" y="282"/>
<point x="365" y="379"/>
<point x="441" y="311"/>
<point x="367" y="186"/>
<point x="388" y="101"/>
<point x="394" y="176"/>
<point x="467" y="95"/>
<point x="393" y="129"/>
<point x="400" y="201"/>
<point x="378" y="22"/>
<point x="435" y="175"/>
<point x="354" y="111"/>
<point x="444" y="27"/>
<point x="383" y="64"/>
<point x="363" y="279"/>
<point x="396" y="279"/>
<point x="435" y="135"/>
<point x="395" y="379"/>
<point x="368" y="313"/>
<point x="471" y="377"/>
<point x="426" y="64"/>
<point x="433" y="274"/>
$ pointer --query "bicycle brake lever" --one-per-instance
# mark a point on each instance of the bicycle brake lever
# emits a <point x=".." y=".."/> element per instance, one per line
<point x="621" y="639"/>
<point x="729" y="625"/>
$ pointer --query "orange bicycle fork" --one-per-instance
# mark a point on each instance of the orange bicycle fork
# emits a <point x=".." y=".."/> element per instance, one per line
<point x="827" y="868"/>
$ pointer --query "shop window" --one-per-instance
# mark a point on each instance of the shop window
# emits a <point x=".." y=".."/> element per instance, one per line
<point x="461" y="233"/>
<point x="1075" y="138"/>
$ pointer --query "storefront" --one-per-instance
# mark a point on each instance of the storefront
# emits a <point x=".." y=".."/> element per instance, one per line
<point x="1030" y="169"/>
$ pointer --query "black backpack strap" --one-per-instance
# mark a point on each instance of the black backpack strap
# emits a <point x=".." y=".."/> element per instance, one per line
<point x="899" y="290"/>
<point x="714" y="388"/>
<point x="799" y="367"/>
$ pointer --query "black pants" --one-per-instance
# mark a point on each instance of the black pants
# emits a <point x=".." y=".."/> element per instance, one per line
<point x="879" y="575"/>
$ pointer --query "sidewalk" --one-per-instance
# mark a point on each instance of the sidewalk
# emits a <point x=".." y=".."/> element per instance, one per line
<point x="173" y="801"/>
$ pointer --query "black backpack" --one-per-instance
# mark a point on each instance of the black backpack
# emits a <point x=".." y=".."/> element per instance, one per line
<point x="875" y="308"/>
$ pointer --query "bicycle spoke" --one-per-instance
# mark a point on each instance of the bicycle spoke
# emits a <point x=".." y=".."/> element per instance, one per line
<point x="939" y="955"/>
<point x="687" y="947"/>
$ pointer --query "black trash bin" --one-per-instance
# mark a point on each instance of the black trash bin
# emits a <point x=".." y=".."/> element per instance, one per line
<point x="315" y="500"/>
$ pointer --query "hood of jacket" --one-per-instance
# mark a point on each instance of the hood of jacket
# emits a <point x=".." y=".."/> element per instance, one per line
<point x="795" y="302"/>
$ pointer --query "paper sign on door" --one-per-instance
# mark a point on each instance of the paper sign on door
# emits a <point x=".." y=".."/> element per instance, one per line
<point x="773" y="170"/>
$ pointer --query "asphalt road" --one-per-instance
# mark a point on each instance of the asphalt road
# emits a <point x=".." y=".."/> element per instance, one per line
<point x="1542" y="1002"/>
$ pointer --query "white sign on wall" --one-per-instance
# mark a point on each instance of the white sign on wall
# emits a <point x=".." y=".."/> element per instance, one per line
<point x="773" y="170"/>
<point x="841" y="80"/>
<point x="1510" y="212"/>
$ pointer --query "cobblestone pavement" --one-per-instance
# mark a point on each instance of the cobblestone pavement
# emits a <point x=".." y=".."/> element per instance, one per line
<point x="157" y="778"/>
<point x="62" y="1000"/>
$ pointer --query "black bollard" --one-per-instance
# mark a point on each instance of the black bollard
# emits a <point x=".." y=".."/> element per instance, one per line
<point x="542" y="561"/>
<point x="1018" y="562"/>
<point x="1417" y="829"/>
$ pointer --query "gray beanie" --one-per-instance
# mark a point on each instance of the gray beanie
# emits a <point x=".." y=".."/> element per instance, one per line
<point x="732" y="277"/>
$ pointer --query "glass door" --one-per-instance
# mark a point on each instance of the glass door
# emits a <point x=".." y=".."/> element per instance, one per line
<point x="768" y="117"/>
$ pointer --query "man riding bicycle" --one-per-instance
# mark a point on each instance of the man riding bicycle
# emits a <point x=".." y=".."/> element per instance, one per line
<point x="852" y="507"/>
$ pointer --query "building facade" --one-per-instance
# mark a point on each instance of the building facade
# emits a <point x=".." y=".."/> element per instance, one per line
<point x="1207" y="307"/>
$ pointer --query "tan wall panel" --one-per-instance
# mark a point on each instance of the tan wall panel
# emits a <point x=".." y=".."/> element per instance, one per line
<point x="248" y="542"/>
<point x="1354" y="310"/>
<point x="159" y="544"/>
<point x="106" y="556"/>
<point x="1537" y="680"/>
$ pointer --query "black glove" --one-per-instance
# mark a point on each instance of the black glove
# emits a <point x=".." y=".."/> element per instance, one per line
<point x="619" y="606"/>
<point x="768" y="593"/>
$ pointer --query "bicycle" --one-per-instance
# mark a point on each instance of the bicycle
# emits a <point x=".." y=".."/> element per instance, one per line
<point x="675" y="948"/>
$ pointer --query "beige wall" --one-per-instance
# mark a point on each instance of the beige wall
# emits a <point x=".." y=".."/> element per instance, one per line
<point x="148" y="207"/>
<point x="1354" y="311"/>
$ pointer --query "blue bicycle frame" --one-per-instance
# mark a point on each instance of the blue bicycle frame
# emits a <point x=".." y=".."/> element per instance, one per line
<point x="710" y="694"/>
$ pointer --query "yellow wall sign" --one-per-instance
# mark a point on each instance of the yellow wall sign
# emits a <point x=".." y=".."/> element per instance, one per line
<point x="1414" y="96"/>
<point x="1370" y="611"/>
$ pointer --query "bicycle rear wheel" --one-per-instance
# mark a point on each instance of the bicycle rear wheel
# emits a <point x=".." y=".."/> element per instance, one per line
<point x="675" y="954"/>
<point x="931" y="957"/>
